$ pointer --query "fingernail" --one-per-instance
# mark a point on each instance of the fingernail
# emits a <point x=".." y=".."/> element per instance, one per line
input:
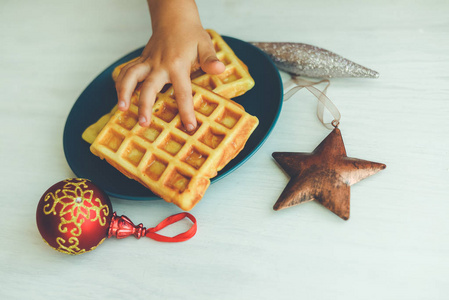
<point x="190" y="127"/>
<point x="121" y="104"/>
<point x="142" y="120"/>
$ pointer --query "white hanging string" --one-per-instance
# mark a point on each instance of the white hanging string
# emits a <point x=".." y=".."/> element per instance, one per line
<point x="323" y="100"/>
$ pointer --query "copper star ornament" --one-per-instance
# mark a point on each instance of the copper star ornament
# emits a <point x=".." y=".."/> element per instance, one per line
<point x="324" y="175"/>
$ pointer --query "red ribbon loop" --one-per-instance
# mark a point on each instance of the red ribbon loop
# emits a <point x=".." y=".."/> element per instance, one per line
<point x="151" y="232"/>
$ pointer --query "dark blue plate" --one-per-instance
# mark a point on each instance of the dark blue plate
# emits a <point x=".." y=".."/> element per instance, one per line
<point x="263" y="101"/>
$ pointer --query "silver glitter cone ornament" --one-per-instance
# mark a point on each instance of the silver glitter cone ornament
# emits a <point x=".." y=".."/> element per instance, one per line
<point x="311" y="61"/>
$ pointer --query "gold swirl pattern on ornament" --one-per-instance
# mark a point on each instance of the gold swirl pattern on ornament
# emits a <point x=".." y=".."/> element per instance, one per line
<point x="73" y="249"/>
<point x="78" y="204"/>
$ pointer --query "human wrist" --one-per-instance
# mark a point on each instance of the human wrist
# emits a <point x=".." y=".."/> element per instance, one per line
<point x="170" y="13"/>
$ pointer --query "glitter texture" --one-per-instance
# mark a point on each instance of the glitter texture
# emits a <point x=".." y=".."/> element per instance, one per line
<point x="311" y="61"/>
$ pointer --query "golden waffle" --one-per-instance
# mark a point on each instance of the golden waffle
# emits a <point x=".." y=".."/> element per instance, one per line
<point x="233" y="82"/>
<point x="175" y="164"/>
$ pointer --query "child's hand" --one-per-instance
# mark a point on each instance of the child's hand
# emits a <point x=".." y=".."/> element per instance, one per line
<point x="178" y="44"/>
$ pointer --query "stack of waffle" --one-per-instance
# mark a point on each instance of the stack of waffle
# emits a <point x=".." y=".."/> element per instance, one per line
<point x="175" y="164"/>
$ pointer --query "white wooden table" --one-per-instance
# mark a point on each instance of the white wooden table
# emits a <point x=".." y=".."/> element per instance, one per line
<point x="396" y="242"/>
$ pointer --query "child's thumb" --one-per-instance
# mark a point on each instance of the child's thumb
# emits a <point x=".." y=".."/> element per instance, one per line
<point x="209" y="61"/>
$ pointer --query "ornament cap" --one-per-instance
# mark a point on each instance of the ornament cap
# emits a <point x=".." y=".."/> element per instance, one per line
<point x="122" y="227"/>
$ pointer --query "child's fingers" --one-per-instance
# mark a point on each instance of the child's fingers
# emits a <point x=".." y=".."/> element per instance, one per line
<point x="183" y="92"/>
<point x="208" y="59"/>
<point x="126" y="67"/>
<point x="126" y="86"/>
<point x="150" y="87"/>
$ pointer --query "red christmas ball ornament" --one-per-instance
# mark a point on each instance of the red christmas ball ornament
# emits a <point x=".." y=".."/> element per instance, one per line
<point x="74" y="216"/>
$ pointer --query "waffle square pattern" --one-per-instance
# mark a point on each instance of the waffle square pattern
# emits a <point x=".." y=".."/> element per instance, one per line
<point x="175" y="164"/>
